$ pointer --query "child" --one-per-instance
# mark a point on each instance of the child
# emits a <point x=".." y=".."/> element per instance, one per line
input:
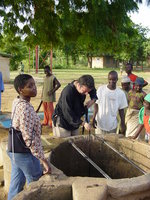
<point x="133" y="77"/>
<point x="144" y="119"/>
<point x="135" y="99"/>
<point x="125" y="84"/>
<point x="50" y="85"/>
<point x="25" y="166"/>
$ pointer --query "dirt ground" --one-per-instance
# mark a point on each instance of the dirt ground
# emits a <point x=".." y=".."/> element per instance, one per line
<point x="10" y="94"/>
<point x="7" y="98"/>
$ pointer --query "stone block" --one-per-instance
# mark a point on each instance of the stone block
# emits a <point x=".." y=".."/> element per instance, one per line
<point x="124" y="187"/>
<point x="89" y="188"/>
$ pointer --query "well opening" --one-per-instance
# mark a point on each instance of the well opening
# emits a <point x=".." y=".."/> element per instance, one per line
<point x="67" y="159"/>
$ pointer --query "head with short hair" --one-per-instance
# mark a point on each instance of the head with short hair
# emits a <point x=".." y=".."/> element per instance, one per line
<point x="85" y="84"/>
<point x="21" y="80"/>
<point x="47" y="67"/>
<point x="47" y="70"/>
<point x="112" y="80"/>
<point x="86" y="80"/>
<point x="128" y="68"/>
<point x="114" y="73"/>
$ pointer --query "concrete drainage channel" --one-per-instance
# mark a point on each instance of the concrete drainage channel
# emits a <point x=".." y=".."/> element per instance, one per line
<point x="75" y="178"/>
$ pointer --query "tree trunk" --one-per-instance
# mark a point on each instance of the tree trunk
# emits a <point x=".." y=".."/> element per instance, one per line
<point x="67" y="59"/>
<point x="89" y="60"/>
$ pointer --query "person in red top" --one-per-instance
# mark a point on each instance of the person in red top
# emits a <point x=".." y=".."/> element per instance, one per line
<point x="133" y="77"/>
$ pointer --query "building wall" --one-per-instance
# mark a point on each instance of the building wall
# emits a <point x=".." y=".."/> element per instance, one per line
<point x="103" y="61"/>
<point x="109" y="62"/>
<point x="4" y="68"/>
<point x="97" y="62"/>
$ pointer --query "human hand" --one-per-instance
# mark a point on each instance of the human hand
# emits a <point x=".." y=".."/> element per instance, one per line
<point x="123" y="129"/>
<point x="47" y="168"/>
<point x="87" y="126"/>
<point x="94" y="123"/>
<point x="50" y="92"/>
<point x="90" y="103"/>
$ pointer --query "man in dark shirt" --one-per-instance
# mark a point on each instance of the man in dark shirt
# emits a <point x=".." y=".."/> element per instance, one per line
<point x="70" y="108"/>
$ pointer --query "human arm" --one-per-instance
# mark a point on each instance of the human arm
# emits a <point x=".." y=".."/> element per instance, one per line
<point x="28" y="123"/>
<point x="141" y="124"/>
<point x="122" y="118"/>
<point x="139" y="129"/>
<point x="93" y="98"/>
<point x="145" y="83"/>
<point x="90" y="103"/>
<point x="46" y="165"/>
<point x="94" y="122"/>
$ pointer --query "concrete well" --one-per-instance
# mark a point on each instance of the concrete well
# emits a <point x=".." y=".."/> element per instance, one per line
<point x="73" y="179"/>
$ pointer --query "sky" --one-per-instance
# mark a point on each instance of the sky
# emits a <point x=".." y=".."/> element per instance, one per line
<point x="142" y="16"/>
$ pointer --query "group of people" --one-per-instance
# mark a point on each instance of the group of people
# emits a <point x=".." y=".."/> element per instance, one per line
<point x="68" y="116"/>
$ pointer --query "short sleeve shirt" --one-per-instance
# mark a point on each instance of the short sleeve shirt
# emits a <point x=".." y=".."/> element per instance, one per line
<point x="109" y="102"/>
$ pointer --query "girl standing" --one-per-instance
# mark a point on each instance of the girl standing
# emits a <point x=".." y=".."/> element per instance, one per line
<point x="25" y="159"/>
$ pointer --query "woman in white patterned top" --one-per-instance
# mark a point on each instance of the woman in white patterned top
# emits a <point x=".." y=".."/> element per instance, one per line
<point x="26" y="164"/>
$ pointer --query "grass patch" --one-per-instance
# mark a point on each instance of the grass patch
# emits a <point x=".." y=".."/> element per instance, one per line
<point x="66" y="76"/>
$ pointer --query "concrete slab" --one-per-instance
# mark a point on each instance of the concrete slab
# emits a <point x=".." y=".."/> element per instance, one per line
<point x="89" y="188"/>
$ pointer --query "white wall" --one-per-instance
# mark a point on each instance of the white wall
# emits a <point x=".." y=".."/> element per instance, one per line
<point x="4" y="68"/>
<point x="97" y="62"/>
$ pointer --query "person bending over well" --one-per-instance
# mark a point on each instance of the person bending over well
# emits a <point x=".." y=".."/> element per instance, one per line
<point x="70" y="108"/>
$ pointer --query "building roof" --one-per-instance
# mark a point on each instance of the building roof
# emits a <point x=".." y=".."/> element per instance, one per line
<point x="5" y="55"/>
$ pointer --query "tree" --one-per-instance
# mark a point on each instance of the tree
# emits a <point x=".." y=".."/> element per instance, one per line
<point x="45" y="22"/>
<point x="91" y="25"/>
<point x="16" y="48"/>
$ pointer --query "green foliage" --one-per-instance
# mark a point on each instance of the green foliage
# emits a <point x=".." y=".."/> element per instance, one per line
<point x="16" y="48"/>
<point x="79" y="27"/>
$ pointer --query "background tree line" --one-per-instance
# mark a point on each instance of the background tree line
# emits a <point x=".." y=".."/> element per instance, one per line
<point x="75" y="27"/>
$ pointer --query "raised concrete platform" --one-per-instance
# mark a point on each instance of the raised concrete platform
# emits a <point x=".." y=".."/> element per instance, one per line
<point x="58" y="186"/>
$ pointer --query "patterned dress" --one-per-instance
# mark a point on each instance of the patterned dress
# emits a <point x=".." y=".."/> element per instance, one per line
<point x="136" y="100"/>
<point x="27" y="121"/>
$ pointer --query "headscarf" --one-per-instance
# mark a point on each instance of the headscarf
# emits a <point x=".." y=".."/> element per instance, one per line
<point x="147" y="97"/>
<point x="139" y="81"/>
<point x="125" y="79"/>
